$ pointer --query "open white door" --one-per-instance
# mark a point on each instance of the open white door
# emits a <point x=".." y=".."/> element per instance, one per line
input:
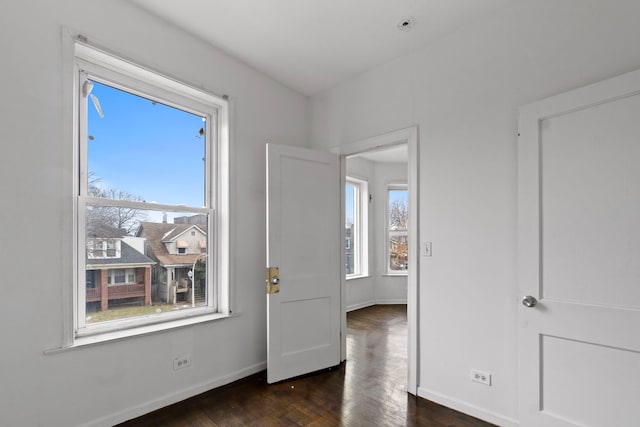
<point x="303" y="241"/>
<point x="579" y="257"/>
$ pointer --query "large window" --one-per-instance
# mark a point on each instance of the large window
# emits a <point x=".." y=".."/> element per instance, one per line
<point x="397" y="223"/>
<point x="356" y="214"/>
<point x="136" y="132"/>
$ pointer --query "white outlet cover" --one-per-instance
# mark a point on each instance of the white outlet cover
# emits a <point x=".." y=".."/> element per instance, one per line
<point x="481" y="377"/>
<point x="181" y="362"/>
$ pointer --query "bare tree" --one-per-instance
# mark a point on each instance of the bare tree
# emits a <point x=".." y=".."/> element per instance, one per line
<point x="398" y="215"/>
<point x="112" y="221"/>
<point x="398" y="247"/>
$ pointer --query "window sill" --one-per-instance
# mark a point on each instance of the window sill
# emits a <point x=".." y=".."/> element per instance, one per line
<point x="118" y="335"/>
<point x="395" y="275"/>
<point x="357" y="276"/>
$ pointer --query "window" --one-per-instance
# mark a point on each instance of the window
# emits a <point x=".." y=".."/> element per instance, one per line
<point x="397" y="222"/>
<point x="97" y="248"/>
<point x="111" y="249"/>
<point x="135" y="129"/>
<point x="356" y="215"/>
<point x="121" y="276"/>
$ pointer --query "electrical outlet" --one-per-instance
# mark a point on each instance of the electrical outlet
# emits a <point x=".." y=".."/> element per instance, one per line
<point x="481" y="377"/>
<point x="181" y="362"/>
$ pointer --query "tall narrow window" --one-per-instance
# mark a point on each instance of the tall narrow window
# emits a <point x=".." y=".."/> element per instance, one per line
<point x="356" y="215"/>
<point x="397" y="223"/>
<point x="137" y="131"/>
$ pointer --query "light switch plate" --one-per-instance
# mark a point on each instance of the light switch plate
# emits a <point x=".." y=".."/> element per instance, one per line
<point x="426" y="248"/>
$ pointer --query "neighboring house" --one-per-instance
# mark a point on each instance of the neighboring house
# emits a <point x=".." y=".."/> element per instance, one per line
<point x="117" y="269"/>
<point x="175" y="247"/>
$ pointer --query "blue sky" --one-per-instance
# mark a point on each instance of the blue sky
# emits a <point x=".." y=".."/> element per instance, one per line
<point x="349" y="194"/>
<point x="150" y="150"/>
<point x="401" y="195"/>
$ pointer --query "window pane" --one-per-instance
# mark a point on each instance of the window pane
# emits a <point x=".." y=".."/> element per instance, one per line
<point x="398" y="209"/>
<point x="398" y="253"/>
<point x="148" y="276"/>
<point x="143" y="150"/>
<point x="350" y="216"/>
<point x="131" y="275"/>
<point x="118" y="276"/>
<point x="398" y="221"/>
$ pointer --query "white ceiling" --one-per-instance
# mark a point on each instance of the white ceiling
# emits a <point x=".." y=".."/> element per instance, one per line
<point x="313" y="45"/>
<point x="395" y="154"/>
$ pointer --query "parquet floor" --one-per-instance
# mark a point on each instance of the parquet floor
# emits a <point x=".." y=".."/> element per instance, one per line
<point x="367" y="390"/>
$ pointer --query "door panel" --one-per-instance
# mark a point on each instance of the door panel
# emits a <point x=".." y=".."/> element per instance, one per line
<point x="579" y="255"/>
<point x="594" y="373"/>
<point x="303" y="240"/>
<point x="590" y="200"/>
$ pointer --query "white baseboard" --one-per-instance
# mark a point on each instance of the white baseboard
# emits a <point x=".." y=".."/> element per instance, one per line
<point x="360" y="305"/>
<point x="467" y="408"/>
<point x="391" y="301"/>
<point x="169" y="399"/>
<point x="369" y="303"/>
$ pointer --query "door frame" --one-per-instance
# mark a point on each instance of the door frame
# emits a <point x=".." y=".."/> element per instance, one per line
<point x="409" y="136"/>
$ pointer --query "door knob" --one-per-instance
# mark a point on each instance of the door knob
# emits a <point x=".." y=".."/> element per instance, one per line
<point x="275" y="280"/>
<point x="529" y="301"/>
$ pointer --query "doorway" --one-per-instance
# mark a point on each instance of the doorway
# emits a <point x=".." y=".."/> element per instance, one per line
<point x="403" y="143"/>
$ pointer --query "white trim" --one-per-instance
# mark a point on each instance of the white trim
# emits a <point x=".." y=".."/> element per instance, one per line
<point x="82" y="61"/>
<point x="360" y="305"/>
<point x="360" y="226"/>
<point x="371" y="303"/>
<point x="92" y="56"/>
<point x="68" y="232"/>
<point x="358" y="276"/>
<point x="391" y="301"/>
<point x="171" y="398"/>
<point x="467" y="408"/>
<point x="410" y="137"/>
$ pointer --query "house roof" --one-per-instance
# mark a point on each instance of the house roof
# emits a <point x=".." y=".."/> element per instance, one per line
<point x="157" y="233"/>
<point x="179" y="229"/>
<point x="128" y="255"/>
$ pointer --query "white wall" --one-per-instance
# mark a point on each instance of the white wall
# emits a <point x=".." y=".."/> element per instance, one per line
<point x="463" y="92"/>
<point x="118" y="380"/>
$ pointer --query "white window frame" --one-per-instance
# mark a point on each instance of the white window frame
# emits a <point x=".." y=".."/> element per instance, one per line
<point x="360" y="236"/>
<point x="102" y="66"/>
<point x="387" y="254"/>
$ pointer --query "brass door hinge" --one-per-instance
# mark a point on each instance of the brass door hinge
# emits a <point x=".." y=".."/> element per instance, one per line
<point x="273" y="280"/>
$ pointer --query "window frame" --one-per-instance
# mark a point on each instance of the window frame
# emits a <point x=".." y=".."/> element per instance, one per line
<point x="402" y="186"/>
<point x="360" y="236"/>
<point x="105" y="67"/>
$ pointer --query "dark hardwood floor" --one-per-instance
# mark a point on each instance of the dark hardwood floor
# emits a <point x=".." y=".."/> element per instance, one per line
<point x="367" y="390"/>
